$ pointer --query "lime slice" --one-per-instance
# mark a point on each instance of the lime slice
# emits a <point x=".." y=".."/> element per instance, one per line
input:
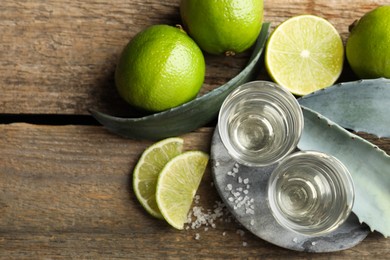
<point x="305" y="53"/>
<point x="177" y="185"/>
<point x="149" y="166"/>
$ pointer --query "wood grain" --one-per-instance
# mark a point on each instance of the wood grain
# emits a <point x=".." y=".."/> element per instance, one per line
<point x="58" y="57"/>
<point x="65" y="192"/>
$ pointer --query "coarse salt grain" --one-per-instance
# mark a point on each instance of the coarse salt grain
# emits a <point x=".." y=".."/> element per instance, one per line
<point x="198" y="216"/>
<point x="240" y="232"/>
<point x="235" y="194"/>
<point x="249" y="211"/>
<point x="197" y="198"/>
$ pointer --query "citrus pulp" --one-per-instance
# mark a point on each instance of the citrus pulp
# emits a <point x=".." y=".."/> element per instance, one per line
<point x="177" y="185"/>
<point x="146" y="172"/>
<point x="304" y="53"/>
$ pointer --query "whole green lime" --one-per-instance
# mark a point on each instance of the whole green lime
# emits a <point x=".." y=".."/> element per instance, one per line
<point x="368" y="45"/>
<point x="160" y="68"/>
<point x="223" y="26"/>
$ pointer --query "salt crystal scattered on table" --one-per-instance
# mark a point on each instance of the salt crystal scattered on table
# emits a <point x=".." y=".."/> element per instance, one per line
<point x="240" y="232"/>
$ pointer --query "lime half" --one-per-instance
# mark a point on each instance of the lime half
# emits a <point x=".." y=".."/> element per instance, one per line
<point x="177" y="185"/>
<point x="305" y="53"/>
<point x="146" y="172"/>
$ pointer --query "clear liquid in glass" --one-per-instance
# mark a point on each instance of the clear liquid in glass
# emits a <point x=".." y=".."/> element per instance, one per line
<point x="260" y="123"/>
<point x="311" y="193"/>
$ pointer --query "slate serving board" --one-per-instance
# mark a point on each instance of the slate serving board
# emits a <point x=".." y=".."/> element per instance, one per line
<point x="243" y="190"/>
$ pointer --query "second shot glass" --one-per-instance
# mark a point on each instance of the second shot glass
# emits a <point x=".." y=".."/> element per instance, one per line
<point x="260" y="123"/>
<point x="311" y="193"/>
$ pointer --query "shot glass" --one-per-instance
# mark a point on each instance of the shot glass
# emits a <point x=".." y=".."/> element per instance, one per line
<point x="311" y="193"/>
<point x="260" y="123"/>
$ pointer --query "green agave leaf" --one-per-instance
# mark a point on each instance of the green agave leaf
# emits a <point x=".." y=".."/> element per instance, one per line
<point x="369" y="167"/>
<point x="189" y="116"/>
<point x="362" y="105"/>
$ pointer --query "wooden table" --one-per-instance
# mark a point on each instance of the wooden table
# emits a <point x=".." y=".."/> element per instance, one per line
<point x="65" y="182"/>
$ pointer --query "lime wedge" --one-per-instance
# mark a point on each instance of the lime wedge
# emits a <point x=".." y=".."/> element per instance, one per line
<point x="146" y="172"/>
<point x="305" y="53"/>
<point x="177" y="185"/>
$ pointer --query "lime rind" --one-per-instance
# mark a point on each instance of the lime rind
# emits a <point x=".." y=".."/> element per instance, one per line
<point x="177" y="185"/>
<point x="189" y="116"/>
<point x="146" y="172"/>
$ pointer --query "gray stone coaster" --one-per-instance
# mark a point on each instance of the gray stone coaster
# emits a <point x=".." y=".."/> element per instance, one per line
<point x="243" y="190"/>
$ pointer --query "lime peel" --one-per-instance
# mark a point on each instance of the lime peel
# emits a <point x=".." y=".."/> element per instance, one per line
<point x="367" y="47"/>
<point x="187" y="117"/>
<point x="223" y="27"/>
<point x="160" y="68"/>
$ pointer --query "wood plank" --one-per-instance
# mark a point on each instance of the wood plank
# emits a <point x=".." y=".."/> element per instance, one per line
<point x="58" y="57"/>
<point x="65" y="192"/>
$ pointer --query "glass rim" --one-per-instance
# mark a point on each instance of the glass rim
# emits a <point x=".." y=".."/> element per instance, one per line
<point x="346" y="180"/>
<point x="262" y="87"/>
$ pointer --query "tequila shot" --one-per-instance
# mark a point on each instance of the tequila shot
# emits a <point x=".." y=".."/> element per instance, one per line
<point x="311" y="193"/>
<point x="260" y="123"/>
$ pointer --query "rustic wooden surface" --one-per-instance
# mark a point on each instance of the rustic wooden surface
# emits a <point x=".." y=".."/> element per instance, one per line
<point x="58" y="57"/>
<point x="65" y="190"/>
